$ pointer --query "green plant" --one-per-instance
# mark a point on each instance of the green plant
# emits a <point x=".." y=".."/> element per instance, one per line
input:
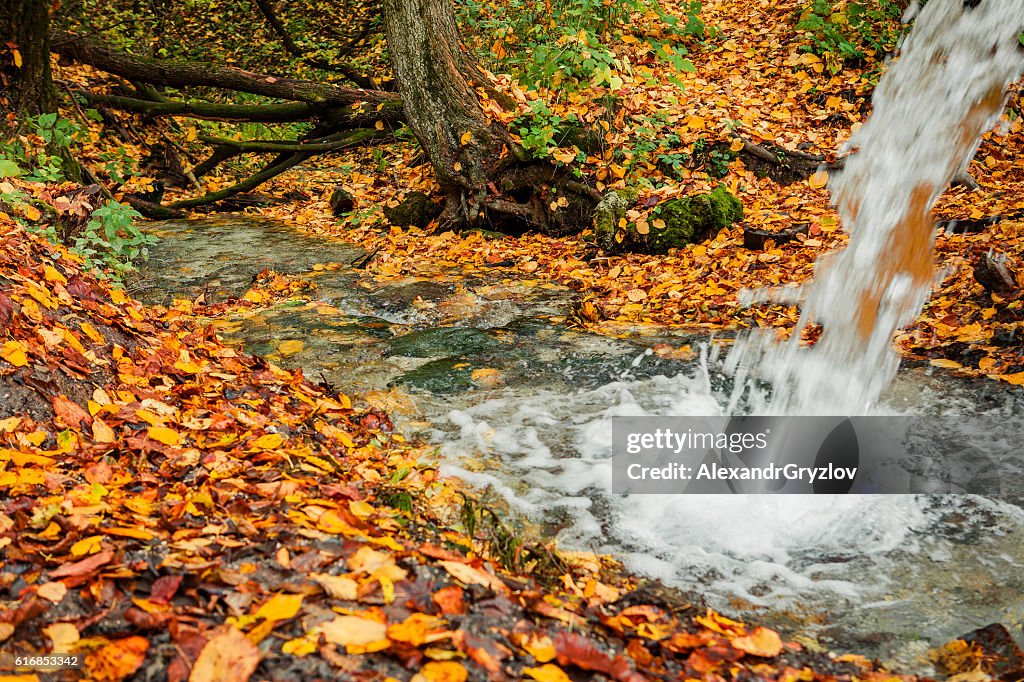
<point x="39" y="155"/>
<point x="539" y="129"/>
<point x="112" y="239"/>
<point x="566" y="43"/>
<point x="845" y="32"/>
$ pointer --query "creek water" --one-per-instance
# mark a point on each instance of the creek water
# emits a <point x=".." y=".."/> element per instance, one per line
<point x="888" y="575"/>
<point x="878" y="574"/>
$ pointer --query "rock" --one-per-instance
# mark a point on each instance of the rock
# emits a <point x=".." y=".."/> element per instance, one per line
<point x="688" y="220"/>
<point x="992" y="272"/>
<point x="398" y="298"/>
<point x="342" y="201"/>
<point x="415" y="210"/>
<point x="442" y="342"/>
<point x="755" y="239"/>
<point x="448" y="375"/>
<point x="607" y="214"/>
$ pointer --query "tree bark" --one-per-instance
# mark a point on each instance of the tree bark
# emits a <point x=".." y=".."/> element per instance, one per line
<point x="487" y="178"/>
<point x="24" y="37"/>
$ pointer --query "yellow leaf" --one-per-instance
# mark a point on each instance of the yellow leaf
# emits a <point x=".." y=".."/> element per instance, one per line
<point x="51" y="274"/>
<point x="14" y="353"/>
<point x="268" y="441"/>
<point x="379" y="125"/>
<point x="17" y="58"/>
<point x="737" y="145"/>
<point x="91" y="332"/>
<point x="547" y="673"/>
<point x="541" y="647"/>
<point x="89" y="545"/>
<point x="361" y="509"/>
<point x="819" y="179"/>
<point x="300" y="646"/>
<point x="642" y="227"/>
<point x="945" y="364"/>
<point x="353" y="631"/>
<point x="338" y="586"/>
<point x="280" y="607"/>
<point x="466" y="138"/>
<point x="31" y="212"/>
<point x="658" y="223"/>
<point x="1015" y="379"/>
<point x="164" y="435"/>
<point x="62" y="636"/>
<point x="290" y="347"/>
<point x="101" y="433"/>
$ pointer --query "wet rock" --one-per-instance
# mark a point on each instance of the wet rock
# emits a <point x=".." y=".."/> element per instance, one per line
<point x="607" y="214"/>
<point x="443" y="342"/>
<point x="401" y="297"/>
<point x="342" y="201"/>
<point x="686" y="221"/>
<point x="993" y="273"/>
<point x="448" y="375"/>
<point x="415" y="210"/>
<point x="755" y="239"/>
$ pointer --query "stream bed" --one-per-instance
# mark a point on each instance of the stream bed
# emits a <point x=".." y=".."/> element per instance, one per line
<point x="521" y="406"/>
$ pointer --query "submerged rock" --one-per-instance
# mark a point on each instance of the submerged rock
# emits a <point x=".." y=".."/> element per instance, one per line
<point x="687" y="220"/>
<point x="443" y="342"/>
<point x="447" y="375"/>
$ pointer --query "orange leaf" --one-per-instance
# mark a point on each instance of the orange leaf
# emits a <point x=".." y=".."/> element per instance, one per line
<point x="761" y="642"/>
<point x="441" y="671"/>
<point x="14" y="353"/>
<point x="117" y="660"/>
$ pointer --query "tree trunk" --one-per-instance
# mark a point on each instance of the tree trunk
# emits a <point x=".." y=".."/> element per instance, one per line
<point x="486" y="176"/>
<point x="25" y="46"/>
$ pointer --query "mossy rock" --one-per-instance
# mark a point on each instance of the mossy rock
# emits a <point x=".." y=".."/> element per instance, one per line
<point x="688" y="220"/>
<point x="444" y="376"/>
<point x="442" y="342"/>
<point x="415" y="210"/>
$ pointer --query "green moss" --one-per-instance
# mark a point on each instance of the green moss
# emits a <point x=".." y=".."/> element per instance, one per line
<point x="687" y="221"/>
<point x="694" y="219"/>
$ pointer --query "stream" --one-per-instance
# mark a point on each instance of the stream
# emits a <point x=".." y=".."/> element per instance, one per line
<point x="883" y="575"/>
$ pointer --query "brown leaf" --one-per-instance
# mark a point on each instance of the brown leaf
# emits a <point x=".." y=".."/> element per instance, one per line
<point x="228" y="657"/>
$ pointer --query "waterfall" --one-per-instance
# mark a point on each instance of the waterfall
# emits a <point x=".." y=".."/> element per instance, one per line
<point x="929" y="111"/>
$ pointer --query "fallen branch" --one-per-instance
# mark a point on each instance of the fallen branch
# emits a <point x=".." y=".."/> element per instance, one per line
<point x="211" y="74"/>
<point x="279" y="165"/>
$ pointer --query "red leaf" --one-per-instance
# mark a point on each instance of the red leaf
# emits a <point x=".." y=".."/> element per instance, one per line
<point x="163" y="589"/>
<point x="71" y="412"/>
<point x="86" y="566"/>
<point x="581" y="652"/>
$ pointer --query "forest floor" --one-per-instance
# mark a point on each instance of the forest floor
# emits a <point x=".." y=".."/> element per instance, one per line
<point x="175" y="509"/>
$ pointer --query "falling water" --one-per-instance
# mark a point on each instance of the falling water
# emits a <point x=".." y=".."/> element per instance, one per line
<point x="930" y="109"/>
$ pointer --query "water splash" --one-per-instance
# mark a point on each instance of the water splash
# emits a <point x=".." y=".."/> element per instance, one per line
<point x="930" y="110"/>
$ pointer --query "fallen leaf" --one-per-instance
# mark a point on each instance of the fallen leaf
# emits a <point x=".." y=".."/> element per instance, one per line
<point x="228" y="657"/>
<point x="761" y="642"/>
<point x="441" y="671"/>
<point x="117" y="660"/>
<point x="52" y="591"/>
<point x="547" y="673"/>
